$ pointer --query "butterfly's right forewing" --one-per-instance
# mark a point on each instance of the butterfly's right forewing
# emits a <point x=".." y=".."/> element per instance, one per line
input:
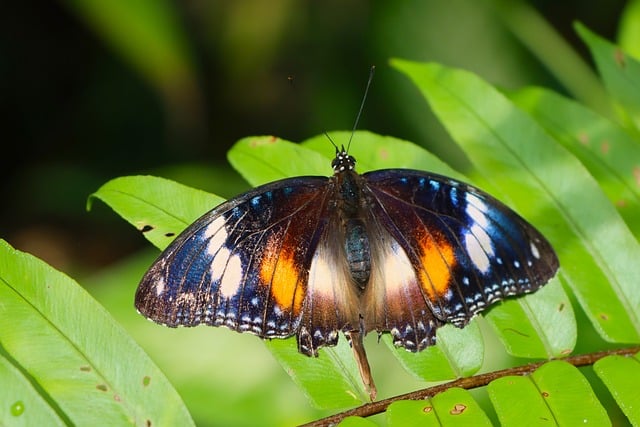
<point x="467" y="250"/>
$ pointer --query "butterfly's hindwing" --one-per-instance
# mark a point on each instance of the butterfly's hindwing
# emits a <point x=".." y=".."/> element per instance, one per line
<point x="332" y="303"/>
<point x="394" y="298"/>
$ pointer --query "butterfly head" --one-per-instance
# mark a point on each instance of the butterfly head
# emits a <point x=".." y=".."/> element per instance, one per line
<point x="343" y="161"/>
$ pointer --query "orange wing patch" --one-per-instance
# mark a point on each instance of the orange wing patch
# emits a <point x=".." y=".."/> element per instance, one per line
<point x="279" y="268"/>
<point x="438" y="259"/>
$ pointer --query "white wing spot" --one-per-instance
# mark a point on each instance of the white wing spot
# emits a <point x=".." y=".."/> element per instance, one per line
<point x="534" y="251"/>
<point x="479" y="247"/>
<point x="218" y="235"/>
<point x="476" y="209"/>
<point x="219" y="263"/>
<point x="232" y="278"/>
<point x="483" y="238"/>
<point x="160" y="284"/>
<point x="476" y="252"/>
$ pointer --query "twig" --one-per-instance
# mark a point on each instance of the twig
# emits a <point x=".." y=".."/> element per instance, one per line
<point x="475" y="381"/>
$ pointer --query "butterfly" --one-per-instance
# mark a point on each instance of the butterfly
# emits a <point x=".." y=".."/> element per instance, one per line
<point x="394" y="251"/>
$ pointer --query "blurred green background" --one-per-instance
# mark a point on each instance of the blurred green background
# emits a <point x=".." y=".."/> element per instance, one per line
<point x="92" y="90"/>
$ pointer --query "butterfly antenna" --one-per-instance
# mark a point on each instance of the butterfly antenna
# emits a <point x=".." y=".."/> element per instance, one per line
<point x="364" y="98"/>
<point x="330" y="140"/>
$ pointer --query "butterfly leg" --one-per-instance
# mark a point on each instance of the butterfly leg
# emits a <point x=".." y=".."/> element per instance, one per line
<point x="356" y="340"/>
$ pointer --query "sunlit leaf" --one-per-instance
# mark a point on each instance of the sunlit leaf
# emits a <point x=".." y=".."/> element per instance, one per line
<point x="516" y="158"/>
<point x="459" y="353"/>
<point x="619" y="71"/>
<point x="620" y="374"/>
<point x="453" y="407"/>
<point x="55" y="335"/>
<point x="517" y="401"/>
<point x="22" y="405"/>
<point x="610" y="154"/>
<point x="555" y="391"/>
<point x="539" y="326"/>
<point x="331" y="380"/>
<point x="157" y="207"/>
<point x="262" y="159"/>
<point x="568" y="394"/>
<point x="629" y="28"/>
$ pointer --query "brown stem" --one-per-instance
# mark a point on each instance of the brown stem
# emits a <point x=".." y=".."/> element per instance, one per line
<point x="466" y="383"/>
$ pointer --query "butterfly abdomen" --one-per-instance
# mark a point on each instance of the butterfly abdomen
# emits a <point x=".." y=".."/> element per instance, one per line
<point x="356" y="239"/>
<point x="358" y="252"/>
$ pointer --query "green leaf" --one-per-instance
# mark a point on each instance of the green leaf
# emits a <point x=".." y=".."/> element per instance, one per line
<point x="157" y="207"/>
<point x="22" y="405"/>
<point x="619" y="71"/>
<point x="620" y="374"/>
<point x="610" y="154"/>
<point x="339" y="389"/>
<point x="556" y="391"/>
<point x="517" y="401"/>
<point x="458" y="353"/>
<point x="146" y="33"/>
<point x="629" y="28"/>
<point x="262" y="159"/>
<point x="411" y="413"/>
<point x="541" y="325"/>
<point x="555" y="53"/>
<point x="568" y="394"/>
<point x="453" y="407"/>
<point x="374" y="151"/>
<point x="63" y="354"/>
<point x="518" y="160"/>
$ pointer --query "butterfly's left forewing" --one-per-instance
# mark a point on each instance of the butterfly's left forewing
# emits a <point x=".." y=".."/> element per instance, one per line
<point x="245" y="264"/>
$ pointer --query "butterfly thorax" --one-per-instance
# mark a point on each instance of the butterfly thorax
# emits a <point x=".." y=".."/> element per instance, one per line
<point x="349" y="204"/>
